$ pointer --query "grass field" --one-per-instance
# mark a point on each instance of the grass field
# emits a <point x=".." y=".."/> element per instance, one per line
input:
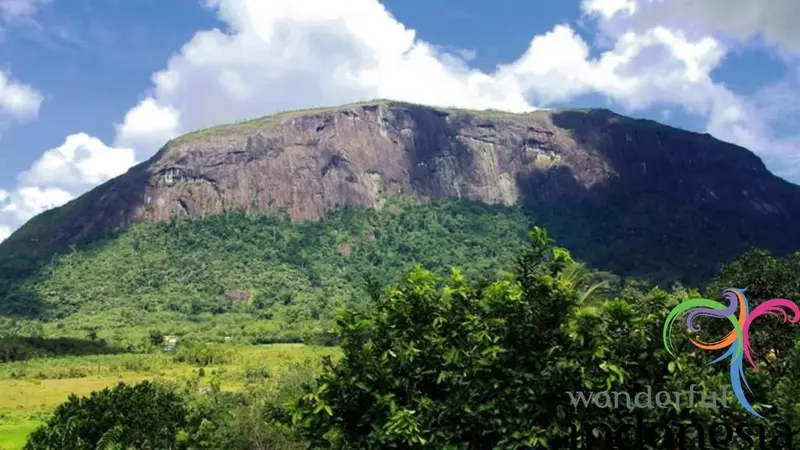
<point x="32" y="389"/>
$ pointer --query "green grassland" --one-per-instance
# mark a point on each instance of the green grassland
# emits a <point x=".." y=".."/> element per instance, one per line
<point x="32" y="389"/>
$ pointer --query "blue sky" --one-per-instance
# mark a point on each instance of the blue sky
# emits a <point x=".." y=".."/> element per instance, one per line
<point x="89" y="87"/>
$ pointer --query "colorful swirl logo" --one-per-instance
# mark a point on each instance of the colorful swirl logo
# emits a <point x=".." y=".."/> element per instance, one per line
<point x="737" y="342"/>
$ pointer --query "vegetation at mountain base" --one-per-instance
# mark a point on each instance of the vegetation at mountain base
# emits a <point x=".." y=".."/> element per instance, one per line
<point x="177" y="278"/>
<point x="458" y="362"/>
<point x="421" y="355"/>
<point x="263" y="278"/>
<point x="143" y="416"/>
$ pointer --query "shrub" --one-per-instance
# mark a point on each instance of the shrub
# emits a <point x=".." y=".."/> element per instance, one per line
<point x="143" y="416"/>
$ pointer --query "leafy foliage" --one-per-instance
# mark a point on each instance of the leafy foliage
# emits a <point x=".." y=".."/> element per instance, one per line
<point x="432" y="366"/>
<point x="144" y="416"/>
<point x="20" y="348"/>
<point x="296" y="271"/>
<point x="456" y="365"/>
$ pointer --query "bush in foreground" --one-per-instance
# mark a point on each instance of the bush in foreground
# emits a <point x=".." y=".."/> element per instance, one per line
<point x="449" y="364"/>
<point x="145" y="416"/>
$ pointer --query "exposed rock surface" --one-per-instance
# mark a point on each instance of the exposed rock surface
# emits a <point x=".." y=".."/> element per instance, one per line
<point x="308" y="163"/>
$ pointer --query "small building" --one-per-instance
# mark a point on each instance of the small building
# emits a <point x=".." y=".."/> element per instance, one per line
<point x="171" y="341"/>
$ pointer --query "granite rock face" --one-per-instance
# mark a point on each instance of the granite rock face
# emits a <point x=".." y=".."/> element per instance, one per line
<point x="309" y="163"/>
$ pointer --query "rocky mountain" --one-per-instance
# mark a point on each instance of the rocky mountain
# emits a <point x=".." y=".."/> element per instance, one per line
<point x="598" y="180"/>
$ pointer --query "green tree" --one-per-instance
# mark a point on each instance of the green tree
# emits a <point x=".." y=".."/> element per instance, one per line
<point x="447" y="366"/>
<point x="592" y="287"/>
<point x="145" y="416"/>
<point x="156" y="337"/>
<point x="765" y="276"/>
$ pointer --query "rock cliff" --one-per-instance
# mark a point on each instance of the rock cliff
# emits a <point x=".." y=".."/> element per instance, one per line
<point x="592" y="164"/>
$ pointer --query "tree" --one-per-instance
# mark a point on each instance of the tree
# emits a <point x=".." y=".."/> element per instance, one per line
<point x="92" y="335"/>
<point x="156" y="337"/>
<point x="447" y="366"/>
<point x="765" y="276"/>
<point x="592" y="288"/>
<point x="145" y="416"/>
<point x="762" y="274"/>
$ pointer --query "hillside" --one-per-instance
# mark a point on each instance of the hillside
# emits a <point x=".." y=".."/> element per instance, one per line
<point x="269" y="267"/>
<point x="630" y="196"/>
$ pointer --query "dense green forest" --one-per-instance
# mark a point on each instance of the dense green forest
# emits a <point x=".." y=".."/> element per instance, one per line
<point x="298" y="273"/>
<point x="301" y="271"/>
<point x="287" y="277"/>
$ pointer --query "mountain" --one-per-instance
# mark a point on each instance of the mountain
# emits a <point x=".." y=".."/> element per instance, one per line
<point x="632" y="196"/>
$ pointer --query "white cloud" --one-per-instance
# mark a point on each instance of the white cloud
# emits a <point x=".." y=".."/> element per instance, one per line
<point x="773" y="20"/>
<point x="26" y="202"/>
<point x="284" y="54"/>
<point x="18" y="101"/>
<point x="290" y="54"/>
<point x="18" y="9"/>
<point x="147" y="125"/>
<point x="61" y="174"/>
<point x="641" y="70"/>
<point x="608" y="8"/>
<point x="81" y="160"/>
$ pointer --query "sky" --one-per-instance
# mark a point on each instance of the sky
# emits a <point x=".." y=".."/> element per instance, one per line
<point x="89" y="88"/>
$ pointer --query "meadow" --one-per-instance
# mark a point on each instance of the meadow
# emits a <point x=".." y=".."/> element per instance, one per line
<point x="32" y="389"/>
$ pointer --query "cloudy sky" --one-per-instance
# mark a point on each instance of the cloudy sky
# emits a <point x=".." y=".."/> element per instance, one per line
<point x="89" y="87"/>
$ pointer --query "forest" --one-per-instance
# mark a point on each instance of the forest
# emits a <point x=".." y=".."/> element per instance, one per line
<point x="451" y="325"/>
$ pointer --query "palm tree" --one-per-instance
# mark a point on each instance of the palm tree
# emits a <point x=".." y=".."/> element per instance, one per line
<point x="592" y="287"/>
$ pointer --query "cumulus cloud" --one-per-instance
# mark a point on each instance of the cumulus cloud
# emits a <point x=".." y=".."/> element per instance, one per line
<point x="59" y="175"/>
<point x="81" y="160"/>
<point x="18" y="101"/>
<point x="285" y="54"/>
<point x="775" y="21"/>
<point x="26" y="202"/>
<point x="659" y="66"/>
<point x="290" y="54"/>
<point x="147" y="125"/>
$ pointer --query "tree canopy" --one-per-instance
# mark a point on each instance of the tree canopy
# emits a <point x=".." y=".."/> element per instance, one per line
<point x="453" y="364"/>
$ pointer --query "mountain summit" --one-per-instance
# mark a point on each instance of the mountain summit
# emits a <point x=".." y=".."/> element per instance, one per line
<point x="595" y="178"/>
